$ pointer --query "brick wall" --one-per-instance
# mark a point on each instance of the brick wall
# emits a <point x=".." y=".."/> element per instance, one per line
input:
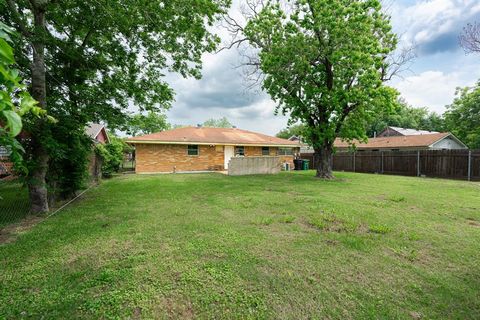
<point x="257" y="151"/>
<point x="164" y="158"/>
<point x="288" y="159"/>
<point x="169" y="158"/>
<point x="6" y="167"/>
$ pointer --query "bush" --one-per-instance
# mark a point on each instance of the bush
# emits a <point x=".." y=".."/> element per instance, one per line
<point x="70" y="149"/>
<point x="112" y="155"/>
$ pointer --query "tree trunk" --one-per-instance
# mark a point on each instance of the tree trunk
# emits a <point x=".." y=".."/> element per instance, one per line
<point x="36" y="180"/>
<point x="36" y="177"/>
<point x="323" y="158"/>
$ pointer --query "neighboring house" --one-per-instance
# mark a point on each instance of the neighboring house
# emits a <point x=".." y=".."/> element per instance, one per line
<point x="431" y="141"/>
<point x="204" y="149"/>
<point x="5" y="164"/>
<point x="97" y="132"/>
<point x="396" y="131"/>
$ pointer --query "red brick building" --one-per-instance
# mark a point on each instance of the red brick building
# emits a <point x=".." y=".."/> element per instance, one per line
<point x="205" y="149"/>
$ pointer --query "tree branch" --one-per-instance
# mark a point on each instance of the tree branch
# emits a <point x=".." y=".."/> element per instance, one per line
<point x="470" y="38"/>
<point x="22" y="27"/>
<point x="397" y="63"/>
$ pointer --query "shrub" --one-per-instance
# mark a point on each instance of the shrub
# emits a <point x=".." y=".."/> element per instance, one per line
<point x="112" y="155"/>
<point x="70" y="149"/>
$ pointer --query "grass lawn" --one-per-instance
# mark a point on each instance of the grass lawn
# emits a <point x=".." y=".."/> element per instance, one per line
<point x="286" y="246"/>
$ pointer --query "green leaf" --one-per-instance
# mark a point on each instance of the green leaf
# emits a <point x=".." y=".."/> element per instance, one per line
<point x="14" y="122"/>
<point x="6" y="52"/>
<point x="27" y="103"/>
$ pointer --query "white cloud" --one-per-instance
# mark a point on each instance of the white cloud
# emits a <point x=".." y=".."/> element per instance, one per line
<point x="433" y="89"/>
<point x="434" y="25"/>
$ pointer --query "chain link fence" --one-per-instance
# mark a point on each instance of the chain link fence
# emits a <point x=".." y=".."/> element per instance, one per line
<point x="14" y="201"/>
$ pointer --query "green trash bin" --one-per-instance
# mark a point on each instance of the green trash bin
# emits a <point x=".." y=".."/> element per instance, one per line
<point x="306" y="164"/>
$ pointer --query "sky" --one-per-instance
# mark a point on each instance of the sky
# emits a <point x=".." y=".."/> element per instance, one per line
<point x="432" y="26"/>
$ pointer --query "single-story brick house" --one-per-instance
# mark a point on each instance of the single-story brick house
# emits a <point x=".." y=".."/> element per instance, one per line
<point x="205" y="149"/>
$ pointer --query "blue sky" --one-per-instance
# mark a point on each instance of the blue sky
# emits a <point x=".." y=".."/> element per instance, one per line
<point x="441" y="65"/>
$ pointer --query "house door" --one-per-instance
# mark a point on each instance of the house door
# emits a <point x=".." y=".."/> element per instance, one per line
<point x="229" y="152"/>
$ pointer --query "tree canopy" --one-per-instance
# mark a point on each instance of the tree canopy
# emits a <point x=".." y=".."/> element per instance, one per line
<point x="324" y="63"/>
<point x="462" y="117"/>
<point x="293" y="130"/>
<point x="218" y="123"/>
<point x="90" y="60"/>
<point x="147" y="123"/>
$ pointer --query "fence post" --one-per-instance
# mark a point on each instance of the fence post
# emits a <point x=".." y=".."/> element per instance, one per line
<point x="469" y="165"/>
<point x="382" y="163"/>
<point x="354" y="161"/>
<point x="418" y="163"/>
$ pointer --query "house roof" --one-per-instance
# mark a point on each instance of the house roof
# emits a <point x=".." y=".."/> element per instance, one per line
<point x="204" y="135"/>
<point x="411" y="132"/>
<point x="94" y="129"/>
<point x="411" y="141"/>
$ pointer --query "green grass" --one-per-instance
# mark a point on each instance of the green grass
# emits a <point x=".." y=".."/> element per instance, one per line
<point x="286" y="246"/>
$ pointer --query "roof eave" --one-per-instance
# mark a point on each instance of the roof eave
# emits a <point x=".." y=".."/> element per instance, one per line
<point x="214" y="143"/>
<point x="454" y="138"/>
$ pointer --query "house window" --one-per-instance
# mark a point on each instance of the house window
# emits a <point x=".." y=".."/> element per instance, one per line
<point x="192" y="150"/>
<point x="239" y="151"/>
<point x="285" y="151"/>
<point x="265" y="151"/>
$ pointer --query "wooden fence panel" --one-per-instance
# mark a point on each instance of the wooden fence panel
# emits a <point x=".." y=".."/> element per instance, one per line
<point x="343" y="162"/>
<point x="445" y="164"/>
<point x="368" y="162"/>
<point x="400" y="163"/>
<point x="450" y="164"/>
<point x="475" y="165"/>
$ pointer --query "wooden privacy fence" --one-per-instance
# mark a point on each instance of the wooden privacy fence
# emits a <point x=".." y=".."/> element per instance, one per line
<point x="450" y="164"/>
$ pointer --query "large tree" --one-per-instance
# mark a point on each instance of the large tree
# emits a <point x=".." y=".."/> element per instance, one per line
<point x="324" y="62"/>
<point x="462" y="117"/>
<point x="88" y="60"/>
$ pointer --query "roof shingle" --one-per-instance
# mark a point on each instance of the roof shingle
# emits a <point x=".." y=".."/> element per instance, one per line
<point x="206" y="135"/>
<point x="416" y="141"/>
